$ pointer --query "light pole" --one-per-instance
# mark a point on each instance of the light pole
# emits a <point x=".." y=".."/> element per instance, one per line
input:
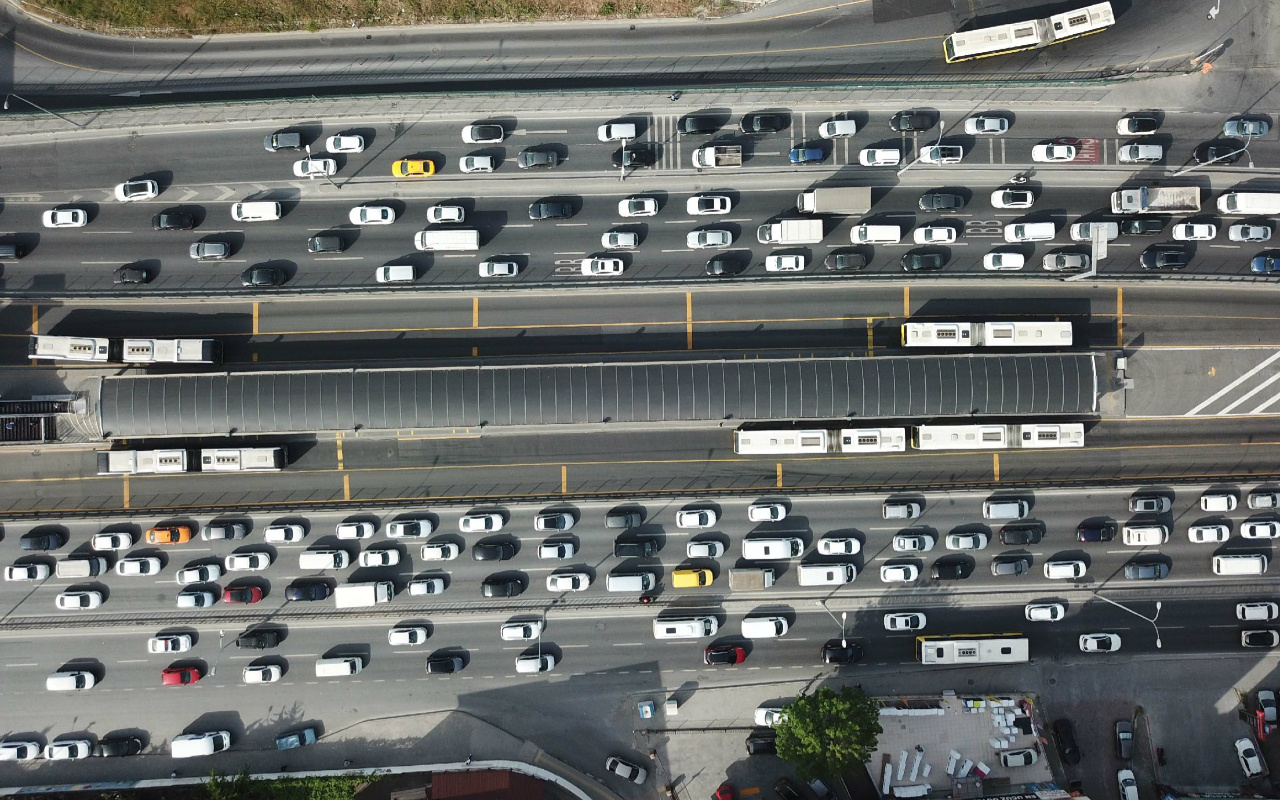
<point x="942" y="127"/>
<point x="1151" y="619"/>
<point x="844" y="615"/>
<point x="42" y="108"/>
<point x="325" y="175"/>
<point x="1213" y="12"/>
<point x="1248" y="139"/>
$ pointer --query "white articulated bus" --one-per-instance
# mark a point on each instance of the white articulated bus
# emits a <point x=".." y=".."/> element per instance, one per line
<point x="986" y="334"/>
<point x="998" y="437"/>
<point x="124" y="351"/>
<point x="1002" y="39"/>
<point x="160" y="462"/>
<point x="1027" y="436"/>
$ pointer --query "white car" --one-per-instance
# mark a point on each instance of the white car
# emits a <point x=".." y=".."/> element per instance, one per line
<point x="480" y="523"/>
<point x="557" y="551"/>
<point x="879" y="157"/>
<point x="706" y="549"/>
<point x="715" y="237"/>
<point x="442" y="551"/>
<point x="201" y="574"/>
<point x="499" y="269"/>
<point x="263" y="673"/>
<point x="78" y="601"/>
<point x="1194" y="232"/>
<point x="284" y="534"/>
<point x="791" y="263"/>
<point x="1240" y="233"/>
<point x="1267" y="704"/>
<point x="1137" y="125"/>
<point x="913" y="542"/>
<point x="966" y="541"/>
<point x="703" y="204"/>
<point x="553" y="521"/>
<point x="521" y="631"/>
<point x="1045" y="612"/>
<point x="372" y="215"/>
<point x="19" y="751"/>
<point x="1250" y="761"/>
<point x="67" y="750"/>
<point x="941" y="154"/>
<point x="839" y="547"/>
<point x="1012" y="198"/>
<point x="568" y="582"/>
<point x="138" y="566"/>
<point x="904" y="622"/>
<point x="619" y="240"/>
<point x="111" y="541"/>
<point x="1257" y="612"/>
<point x="247" y="562"/>
<point x="601" y="266"/>
<point x="1260" y="530"/>
<point x="344" y="144"/>
<point x="934" y="234"/>
<point x="767" y="717"/>
<point x="488" y="133"/>
<point x="766" y="512"/>
<point x="406" y="637"/>
<point x="1208" y="534"/>
<point x="426" y="586"/>
<point x="132" y="191"/>
<point x="1064" y="570"/>
<point x="26" y="572"/>
<point x="1004" y="262"/>
<point x="355" y="530"/>
<point x="696" y="518"/>
<point x="1018" y="758"/>
<point x="638" y="207"/>
<point x="625" y="770"/>
<point x="1099" y="643"/>
<point x="1259" y="500"/>
<point x="176" y="643"/>
<point x="314" y="167"/>
<point x="65" y="218"/>
<point x="439" y="214"/>
<point x="1050" y="153"/>
<point x="1128" y="784"/>
<point x="477" y="164"/>
<point x="190" y="598"/>
<point x="988" y="126"/>
<point x="379" y="558"/>
<point x="899" y="573"/>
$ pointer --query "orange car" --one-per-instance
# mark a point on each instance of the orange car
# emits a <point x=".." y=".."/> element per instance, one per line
<point x="413" y="168"/>
<point x="169" y="534"/>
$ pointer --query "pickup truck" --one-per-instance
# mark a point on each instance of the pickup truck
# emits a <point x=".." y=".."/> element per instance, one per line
<point x="717" y="156"/>
<point x="1154" y="199"/>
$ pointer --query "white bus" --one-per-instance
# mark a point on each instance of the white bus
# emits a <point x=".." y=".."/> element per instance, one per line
<point x="781" y="442"/>
<point x="1026" y="436"/>
<point x="142" y="462"/>
<point x="124" y="351"/>
<point x="1001" y="39"/>
<point x="873" y="440"/>
<point x="998" y="437"/>
<point x="161" y="462"/>
<point x="244" y="459"/>
<point x="983" y="648"/>
<point x="69" y="348"/>
<point x="986" y="334"/>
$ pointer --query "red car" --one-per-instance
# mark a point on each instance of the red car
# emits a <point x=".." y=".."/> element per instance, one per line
<point x="241" y="594"/>
<point x="719" y="654"/>
<point x="723" y="792"/>
<point x="179" y="676"/>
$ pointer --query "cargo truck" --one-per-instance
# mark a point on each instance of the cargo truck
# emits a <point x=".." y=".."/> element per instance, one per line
<point x="791" y="231"/>
<point x="359" y="595"/>
<point x="835" y="200"/>
<point x="717" y="156"/>
<point x="750" y="580"/>
<point x="1154" y="200"/>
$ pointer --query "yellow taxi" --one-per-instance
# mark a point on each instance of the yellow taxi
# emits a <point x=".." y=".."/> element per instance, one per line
<point x="413" y="168"/>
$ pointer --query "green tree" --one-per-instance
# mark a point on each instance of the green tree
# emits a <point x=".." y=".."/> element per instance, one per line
<point x="826" y="734"/>
<point x="243" y="787"/>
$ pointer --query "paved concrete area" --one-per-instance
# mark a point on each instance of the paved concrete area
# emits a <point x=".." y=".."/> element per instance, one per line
<point x="1192" y="382"/>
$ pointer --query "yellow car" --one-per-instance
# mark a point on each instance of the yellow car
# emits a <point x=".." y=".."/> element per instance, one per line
<point x="413" y="168"/>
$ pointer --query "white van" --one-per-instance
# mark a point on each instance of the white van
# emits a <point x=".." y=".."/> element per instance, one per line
<point x="200" y="744"/>
<point x="1145" y="535"/>
<point x="692" y="628"/>
<point x="447" y="239"/>
<point x="876" y="234"/>
<point x="323" y="559"/>
<point x="630" y="581"/>
<point x="338" y="667"/>
<point x="1255" y="564"/>
<point x="771" y="549"/>
<point x="394" y="273"/>
<point x="69" y="681"/>
<point x="1249" y="203"/>
<point x="826" y="574"/>
<point x="1029" y="232"/>
<point x="837" y="128"/>
<point x="1005" y="509"/>
<point x="255" y="212"/>
<point x="1140" y="154"/>
<point x="764" y="627"/>
<point x="81" y="568"/>
<point x="1083" y="231"/>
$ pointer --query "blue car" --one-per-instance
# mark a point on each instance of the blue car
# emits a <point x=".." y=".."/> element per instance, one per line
<point x="1265" y="265"/>
<point x="807" y="155"/>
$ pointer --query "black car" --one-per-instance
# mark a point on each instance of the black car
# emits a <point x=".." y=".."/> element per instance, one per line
<point x="940" y="201"/>
<point x="501" y="587"/>
<point x="950" y="571"/>
<point x="1010" y="566"/>
<point x="695" y="124"/>
<point x="1096" y="531"/>
<point x="550" y="209"/>
<point x="635" y="548"/>
<point x="262" y="276"/>
<point x="833" y="652"/>
<point x="909" y="121"/>
<point x="1163" y="258"/>
<point x="637" y="156"/>
<point x="173" y="221"/>
<point x="444" y="665"/>
<point x="258" y="640"/>
<point x="115" y="748"/>
<point x="1124" y="739"/>
<point x="41" y="540"/>
<point x="326" y="243"/>
<point x="922" y="262"/>
<point x="787" y="790"/>
<point x="1145" y="570"/>
<point x="1219" y="152"/>
<point x="845" y="262"/>
<point x="307" y="591"/>
<point x="762" y="742"/>
<point x="1064" y="735"/>
<point x="1145" y="226"/>
<point x="131" y="276"/>
<point x="537" y="159"/>
<point x="1021" y="533"/>
<point x="762" y="123"/>
<point x="492" y="551"/>
<point x="722" y="265"/>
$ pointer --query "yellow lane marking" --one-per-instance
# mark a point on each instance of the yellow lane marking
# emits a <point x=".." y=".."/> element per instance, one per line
<point x="55" y="61"/>
<point x="475" y="351"/>
<point x="125" y="492"/>
<point x="338" y="441"/>
<point x="255" y="318"/>
<point x="435" y="438"/>
<point x="475" y="311"/>
<point x="1119" y="316"/>
<point x="35" y="320"/>
<point x="906" y="301"/>
<point x="750" y="790"/>
<point x="688" y="319"/>
<point x="870" y="344"/>
<point x="564" y="479"/>
<point x="346" y="486"/>
<point x="779" y="474"/>
<point x="995" y="465"/>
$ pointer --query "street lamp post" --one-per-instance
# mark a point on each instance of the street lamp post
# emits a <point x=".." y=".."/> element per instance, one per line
<point x="1152" y="619"/>
<point x="942" y="127"/>
<point x="1248" y="139"/>
<point x="323" y="175"/>
<point x="42" y="108"/>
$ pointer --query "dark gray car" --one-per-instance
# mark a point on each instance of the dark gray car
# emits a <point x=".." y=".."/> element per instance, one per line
<point x="550" y="209"/>
<point x="537" y="159"/>
<point x="1146" y="571"/>
<point x="941" y="201"/>
<point x="1124" y="739"/>
<point x="326" y="243"/>
<point x="210" y="251"/>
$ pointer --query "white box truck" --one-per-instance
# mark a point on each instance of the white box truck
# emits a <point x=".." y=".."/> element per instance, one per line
<point x="361" y="595"/>
<point x="791" y="231"/>
<point x="750" y="580"/>
<point x="1155" y="199"/>
<point x="1249" y="203"/>
<point x="835" y="200"/>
